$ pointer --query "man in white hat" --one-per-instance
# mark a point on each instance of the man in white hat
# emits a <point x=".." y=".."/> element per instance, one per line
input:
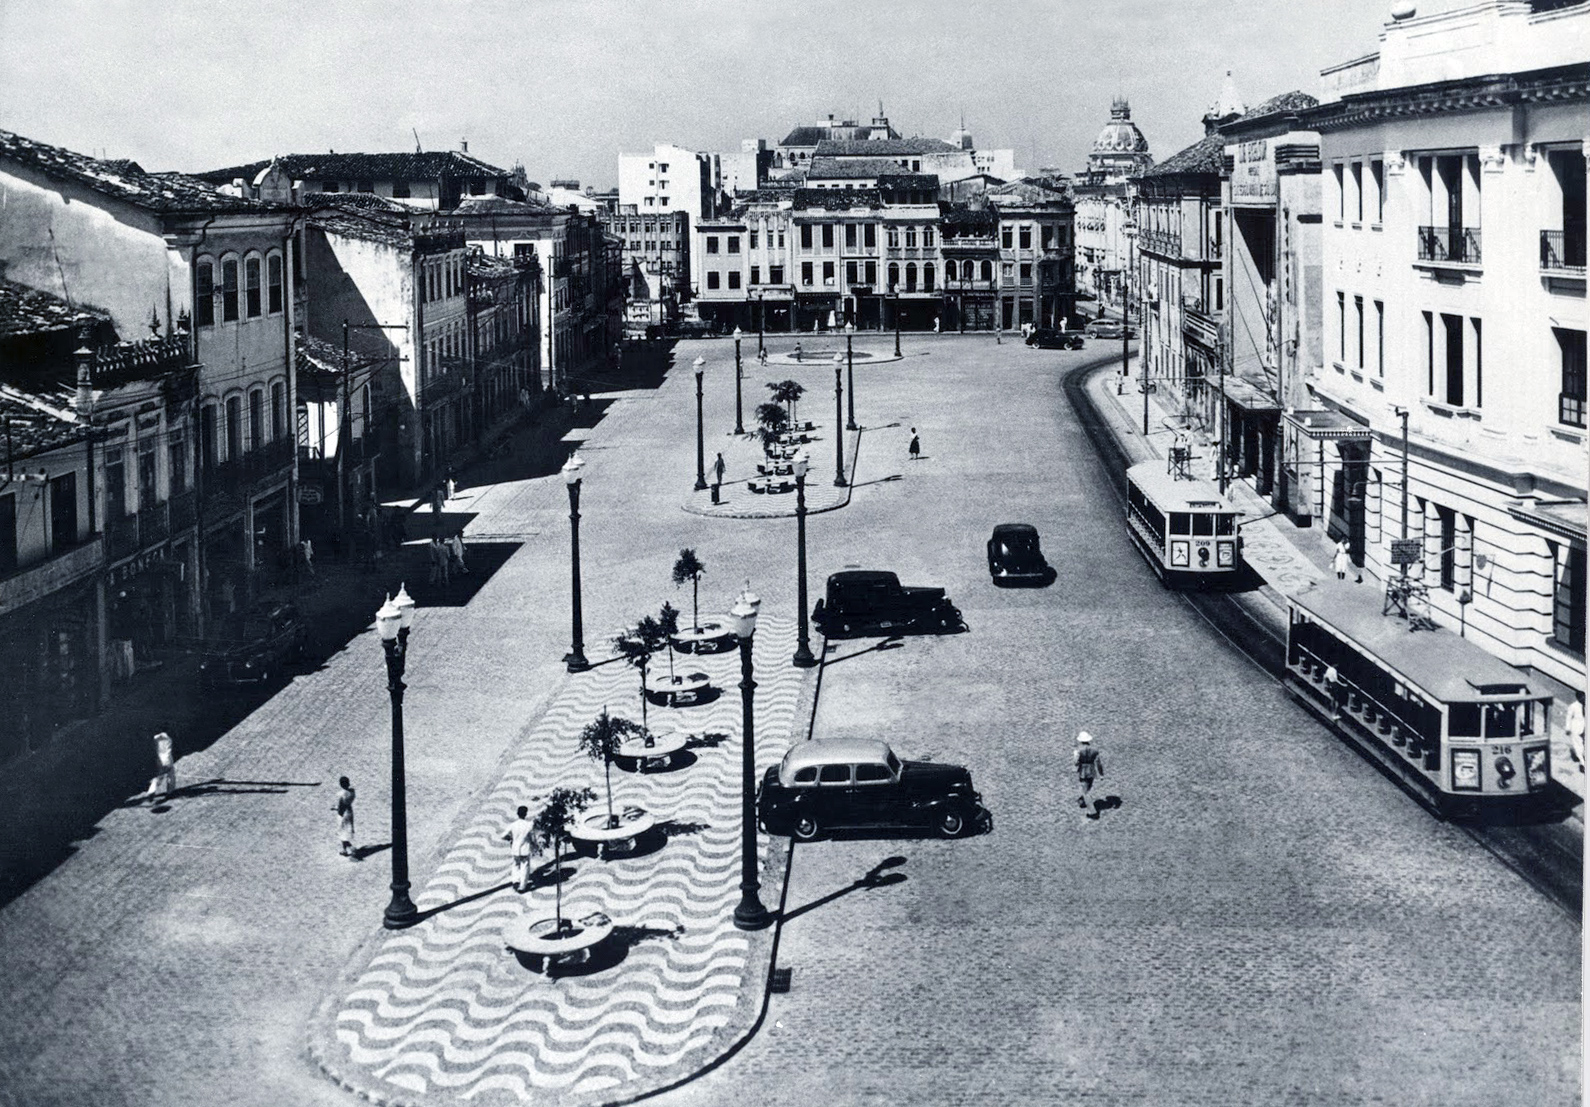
<point x="1089" y="767"/>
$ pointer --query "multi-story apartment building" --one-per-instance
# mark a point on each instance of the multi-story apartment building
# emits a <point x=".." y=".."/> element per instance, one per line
<point x="1104" y="197"/>
<point x="969" y="245"/>
<point x="1037" y="283"/>
<point x="656" y="255"/>
<point x="167" y="249"/>
<point x="670" y="179"/>
<point x="1270" y="341"/>
<point x="1454" y="301"/>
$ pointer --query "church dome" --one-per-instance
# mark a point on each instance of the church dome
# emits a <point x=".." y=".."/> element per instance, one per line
<point x="1120" y="135"/>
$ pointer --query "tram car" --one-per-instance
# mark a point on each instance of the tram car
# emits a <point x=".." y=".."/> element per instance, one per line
<point x="1185" y="528"/>
<point x="1464" y="728"/>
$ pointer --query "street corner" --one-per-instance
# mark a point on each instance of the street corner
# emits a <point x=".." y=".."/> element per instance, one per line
<point x="487" y="1000"/>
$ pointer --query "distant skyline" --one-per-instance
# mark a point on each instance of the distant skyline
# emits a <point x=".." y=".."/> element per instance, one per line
<point x="566" y="86"/>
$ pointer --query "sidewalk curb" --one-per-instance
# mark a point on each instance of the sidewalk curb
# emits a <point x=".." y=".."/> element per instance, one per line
<point x="710" y="511"/>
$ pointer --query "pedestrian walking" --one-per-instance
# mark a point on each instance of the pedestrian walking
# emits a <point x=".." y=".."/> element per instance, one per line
<point x="797" y="351"/>
<point x="1574" y="725"/>
<point x="164" y="782"/>
<point x="524" y="400"/>
<point x="344" y="810"/>
<point x="438" y="496"/>
<point x="916" y="445"/>
<point x="452" y="486"/>
<point x="455" y="552"/>
<point x="1342" y="561"/>
<point x="1333" y="687"/>
<point x="1089" y="766"/>
<point x="719" y="468"/>
<point x="761" y="357"/>
<point x="439" y="561"/>
<point x="307" y="549"/>
<point x="520" y="846"/>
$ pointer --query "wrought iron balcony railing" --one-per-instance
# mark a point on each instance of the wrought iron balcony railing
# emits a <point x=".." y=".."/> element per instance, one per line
<point x="1455" y="245"/>
<point x="1562" y="253"/>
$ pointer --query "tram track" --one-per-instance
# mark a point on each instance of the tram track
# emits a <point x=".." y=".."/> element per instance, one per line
<point x="1548" y="856"/>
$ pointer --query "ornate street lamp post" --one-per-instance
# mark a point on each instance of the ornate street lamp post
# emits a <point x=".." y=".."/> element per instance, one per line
<point x="839" y="418"/>
<point x="701" y="455"/>
<point x="575" y="658"/>
<point x="803" y="647"/>
<point x="393" y="622"/>
<point x="850" y="375"/>
<point x="739" y="421"/>
<point x="761" y="321"/>
<point x="749" y="914"/>
<point x="895" y="290"/>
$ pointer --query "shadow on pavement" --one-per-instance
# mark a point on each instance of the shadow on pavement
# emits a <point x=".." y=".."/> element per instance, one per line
<point x="432" y="912"/>
<point x="875" y="877"/>
<point x="483" y="559"/>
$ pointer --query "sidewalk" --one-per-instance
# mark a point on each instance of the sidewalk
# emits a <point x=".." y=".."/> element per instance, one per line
<point x="1287" y="557"/>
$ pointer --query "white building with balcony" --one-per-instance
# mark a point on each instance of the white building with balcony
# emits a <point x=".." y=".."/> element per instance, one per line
<point x="1453" y="272"/>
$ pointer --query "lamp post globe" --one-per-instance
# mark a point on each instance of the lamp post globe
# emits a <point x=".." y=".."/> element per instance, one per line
<point x="700" y="365"/>
<point x="749" y="914"/>
<point x="739" y="420"/>
<point x="572" y="476"/>
<point x="850" y="376"/>
<point x="392" y="623"/>
<point x="803" y="647"/>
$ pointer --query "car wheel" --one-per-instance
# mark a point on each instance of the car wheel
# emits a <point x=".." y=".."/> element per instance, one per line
<point x="950" y="823"/>
<point x="805" y="828"/>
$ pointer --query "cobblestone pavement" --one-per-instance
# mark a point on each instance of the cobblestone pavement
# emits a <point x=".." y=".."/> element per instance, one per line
<point x="1260" y="918"/>
<point x="180" y="953"/>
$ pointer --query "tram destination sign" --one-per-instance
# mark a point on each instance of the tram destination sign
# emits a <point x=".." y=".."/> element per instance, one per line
<point x="1406" y="551"/>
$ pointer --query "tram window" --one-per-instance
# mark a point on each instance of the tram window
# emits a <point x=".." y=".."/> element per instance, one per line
<point x="1180" y="522"/>
<point x="1225" y="525"/>
<point x="1203" y="526"/>
<point x="1463" y="720"/>
<point x="1501" y="720"/>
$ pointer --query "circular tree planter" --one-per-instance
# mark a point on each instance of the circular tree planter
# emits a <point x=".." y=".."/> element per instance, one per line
<point x="566" y="940"/>
<point x="659" y="754"/>
<point x="680" y="690"/>
<point x="595" y="830"/>
<point x="712" y="636"/>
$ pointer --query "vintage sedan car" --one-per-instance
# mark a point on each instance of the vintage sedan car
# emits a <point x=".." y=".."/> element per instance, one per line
<point x="255" y="647"/>
<point x="1047" y="338"/>
<point x="1015" y="556"/>
<point x="871" y="601"/>
<point x="1110" y="328"/>
<point x="858" y="783"/>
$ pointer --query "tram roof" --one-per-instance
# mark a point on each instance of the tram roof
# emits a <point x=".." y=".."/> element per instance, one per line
<point x="1439" y="663"/>
<point x="1171" y="493"/>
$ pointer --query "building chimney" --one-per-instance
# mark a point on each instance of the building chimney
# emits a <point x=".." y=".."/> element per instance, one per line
<point x="463" y="145"/>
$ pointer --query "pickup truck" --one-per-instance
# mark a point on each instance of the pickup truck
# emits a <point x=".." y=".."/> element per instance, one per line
<point x="869" y="601"/>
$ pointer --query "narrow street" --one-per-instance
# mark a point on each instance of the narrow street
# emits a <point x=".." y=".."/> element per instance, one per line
<point x="1255" y="882"/>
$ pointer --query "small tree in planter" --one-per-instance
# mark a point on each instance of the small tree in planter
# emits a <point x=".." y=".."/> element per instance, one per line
<point x="772" y="421"/>
<point x="550" y="830"/>
<point x="601" y="740"/>
<point x="636" y="645"/>
<point x="788" y="393"/>
<point x="668" y="619"/>
<point x="689" y="567"/>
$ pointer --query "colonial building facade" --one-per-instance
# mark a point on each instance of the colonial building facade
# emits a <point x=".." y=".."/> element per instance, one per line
<point x="1104" y="196"/>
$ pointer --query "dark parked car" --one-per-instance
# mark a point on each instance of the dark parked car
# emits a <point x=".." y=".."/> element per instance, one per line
<point x="854" y="783"/>
<point x="863" y="601"/>
<point x="1046" y="338"/>
<point x="1110" y="328"/>
<point x="256" y="646"/>
<point x="1015" y="557"/>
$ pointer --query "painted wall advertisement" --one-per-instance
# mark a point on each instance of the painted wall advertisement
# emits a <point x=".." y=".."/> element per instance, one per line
<point x="1253" y="173"/>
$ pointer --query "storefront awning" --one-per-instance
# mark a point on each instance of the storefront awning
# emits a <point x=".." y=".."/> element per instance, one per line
<point x="1328" y="426"/>
<point x="1247" y="396"/>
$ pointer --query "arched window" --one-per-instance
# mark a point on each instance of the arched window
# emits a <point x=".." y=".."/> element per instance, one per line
<point x="204" y="293"/>
<point x="927" y="277"/>
<point x="273" y="283"/>
<point x="894" y="275"/>
<point x="949" y="270"/>
<point x="229" y="290"/>
<point x="988" y="271"/>
<point x="253" y="302"/>
<point x="256" y="419"/>
<point x="278" y="410"/>
<point x="234" y="427"/>
<point x="910" y="276"/>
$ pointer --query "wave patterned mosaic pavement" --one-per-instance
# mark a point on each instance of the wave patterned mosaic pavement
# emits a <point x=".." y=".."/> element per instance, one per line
<point x="444" y="1012"/>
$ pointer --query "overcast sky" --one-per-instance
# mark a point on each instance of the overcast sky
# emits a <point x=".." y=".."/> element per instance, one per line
<point x="564" y="85"/>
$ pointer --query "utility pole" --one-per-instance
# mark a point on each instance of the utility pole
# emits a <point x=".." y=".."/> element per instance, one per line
<point x="1402" y="412"/>
<point x="1220" y="458"/>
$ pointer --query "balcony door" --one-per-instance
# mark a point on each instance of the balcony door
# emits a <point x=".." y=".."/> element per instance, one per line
<point x="63" y="511"/>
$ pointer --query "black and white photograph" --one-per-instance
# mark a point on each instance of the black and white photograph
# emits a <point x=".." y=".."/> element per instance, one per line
<point x="1080" y="596"/>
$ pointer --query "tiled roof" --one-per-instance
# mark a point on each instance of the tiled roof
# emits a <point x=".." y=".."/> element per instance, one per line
<point x="837" y="199"/>
<point x="850" y="168"/>
<point x="25" y="310"/>
<point x="423" y="166"/>
<point x="361" y="215"/>
<point x="1284" y="104"/>
<point x="804" y="136"/>
<point x="1204" y="156"/>
<point x="35" y="424"/>
<point x="170" y="193"/>
<point x="501" y="205"/>
<point x="882" y="147"/>
<point x="1026" y="192"/>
